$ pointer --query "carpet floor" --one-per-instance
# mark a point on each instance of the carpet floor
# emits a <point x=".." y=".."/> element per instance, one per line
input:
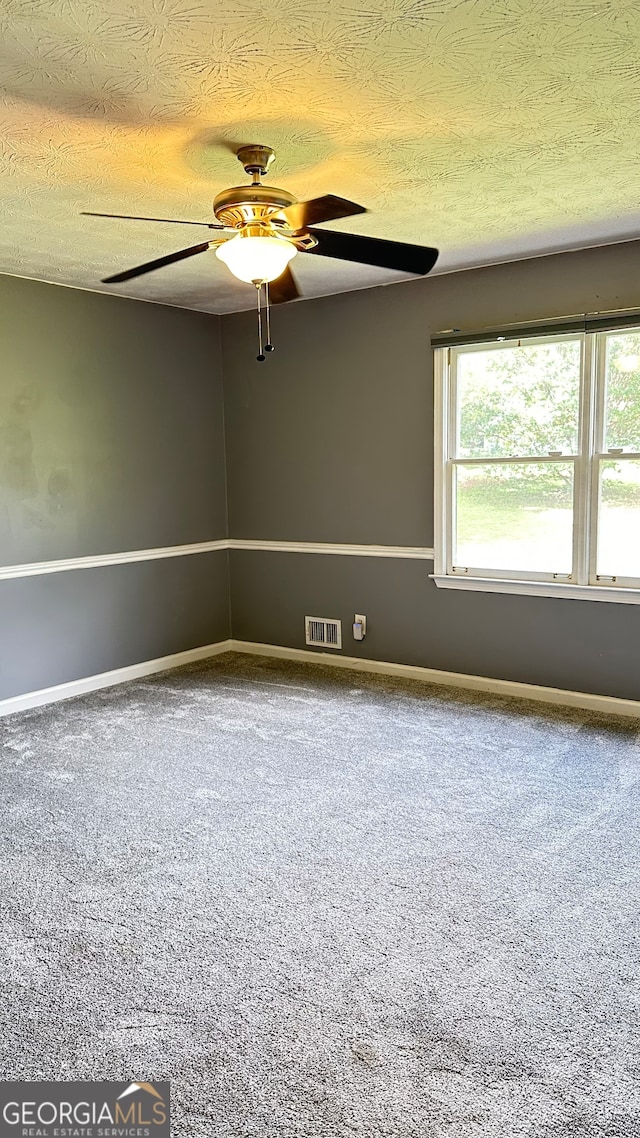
<point x="326" y="905"/>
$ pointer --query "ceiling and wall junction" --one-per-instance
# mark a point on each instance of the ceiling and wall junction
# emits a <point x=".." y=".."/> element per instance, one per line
<point x="491" y="130"/>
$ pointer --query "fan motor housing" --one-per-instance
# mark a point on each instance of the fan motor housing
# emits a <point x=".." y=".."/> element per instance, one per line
<point x="241" y="204"/>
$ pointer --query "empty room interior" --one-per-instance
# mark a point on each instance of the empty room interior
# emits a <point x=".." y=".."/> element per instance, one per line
<point x="319" y="569"/>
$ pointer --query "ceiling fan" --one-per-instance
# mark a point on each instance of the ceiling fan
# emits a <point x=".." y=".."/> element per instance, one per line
<point x="262" y="228"/>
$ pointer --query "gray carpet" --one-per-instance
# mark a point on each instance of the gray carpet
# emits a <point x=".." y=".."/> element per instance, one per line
<point x="326" y="904"/>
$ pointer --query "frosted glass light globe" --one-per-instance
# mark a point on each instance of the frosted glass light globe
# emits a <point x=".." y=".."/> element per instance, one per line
<point x="254" y="259"/>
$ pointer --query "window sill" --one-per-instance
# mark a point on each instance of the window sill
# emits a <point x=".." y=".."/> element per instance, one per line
<point x="617" y="594"/>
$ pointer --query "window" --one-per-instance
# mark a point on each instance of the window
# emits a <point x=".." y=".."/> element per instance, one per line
<point x="538" y="465"/>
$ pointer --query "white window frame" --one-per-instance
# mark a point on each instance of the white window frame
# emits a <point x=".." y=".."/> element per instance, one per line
<point x="583" y="583"/>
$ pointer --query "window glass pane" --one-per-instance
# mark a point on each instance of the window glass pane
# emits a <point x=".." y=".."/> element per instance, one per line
<point x="515" y="516"/>
<point x="622" y="414"/>
<point x="619" y="519"/>
<point x="519" y="401"/>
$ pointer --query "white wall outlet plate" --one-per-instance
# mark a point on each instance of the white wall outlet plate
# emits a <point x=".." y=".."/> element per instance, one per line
<point x="359" y="627"/>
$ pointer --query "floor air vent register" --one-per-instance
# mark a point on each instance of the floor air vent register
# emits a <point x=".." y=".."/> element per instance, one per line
<point x="323" y="631"/>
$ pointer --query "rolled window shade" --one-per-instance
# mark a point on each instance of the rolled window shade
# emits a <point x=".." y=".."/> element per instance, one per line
<point x="591" y="322"/>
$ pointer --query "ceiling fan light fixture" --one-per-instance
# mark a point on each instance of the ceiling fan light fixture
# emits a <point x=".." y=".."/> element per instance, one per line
<point x="256" y="259"/>
<point x="270" y="227"/>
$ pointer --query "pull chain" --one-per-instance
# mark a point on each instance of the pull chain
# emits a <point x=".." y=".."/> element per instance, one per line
<point x="261" y="356"/>
<point x="268" y="346"/>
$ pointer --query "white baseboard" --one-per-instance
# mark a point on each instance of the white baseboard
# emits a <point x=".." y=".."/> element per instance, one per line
<point x="612" y="705"/>
<point x="108" y="679"/>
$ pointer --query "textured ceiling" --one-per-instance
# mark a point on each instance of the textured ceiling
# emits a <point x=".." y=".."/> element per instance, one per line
<point x="490" y="128"/>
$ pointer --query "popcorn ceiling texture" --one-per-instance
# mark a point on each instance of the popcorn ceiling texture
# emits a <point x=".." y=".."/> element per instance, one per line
<point x="325" y="905"/>
<point x="490" y="128"/>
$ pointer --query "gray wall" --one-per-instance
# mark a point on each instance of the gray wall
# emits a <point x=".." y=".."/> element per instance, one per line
<point x="111" y="440"/>
<point x="63" y="626"/>
<point x="332" y="440"/>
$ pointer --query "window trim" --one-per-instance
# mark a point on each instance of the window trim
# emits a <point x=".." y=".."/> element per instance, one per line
<point x="583" y="583"/>
<point x="617" y="593"/>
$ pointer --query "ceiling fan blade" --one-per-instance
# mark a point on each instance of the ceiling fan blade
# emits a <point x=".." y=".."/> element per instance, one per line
<point x="284" y="288"/>
<point x="328" y="208"/>
<point x="149" y="266"/>
<point x="418" y="259"/>
<point x="166" y="220"/>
